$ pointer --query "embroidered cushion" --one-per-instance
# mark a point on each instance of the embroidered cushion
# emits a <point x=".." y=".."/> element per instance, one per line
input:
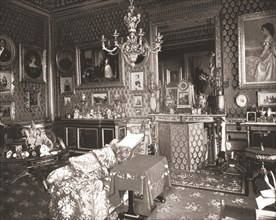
<point x="106" y="157"/>
<point x="86" y="165"/>
<point x="60" y="174"/>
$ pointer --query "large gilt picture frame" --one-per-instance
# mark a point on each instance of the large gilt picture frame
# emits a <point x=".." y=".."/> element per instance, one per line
<point x="32" y="64"/>
<point x="257" y="63"/>
<point x="96" y="68"/>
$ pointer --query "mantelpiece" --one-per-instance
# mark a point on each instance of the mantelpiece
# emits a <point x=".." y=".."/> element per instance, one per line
<point x="210" y="126"/>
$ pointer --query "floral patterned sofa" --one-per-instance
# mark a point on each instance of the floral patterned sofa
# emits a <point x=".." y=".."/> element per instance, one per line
<point x="82" y="189"/>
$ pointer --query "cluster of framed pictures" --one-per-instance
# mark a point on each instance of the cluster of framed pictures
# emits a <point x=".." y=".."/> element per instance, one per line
<point x="137" y="87"/>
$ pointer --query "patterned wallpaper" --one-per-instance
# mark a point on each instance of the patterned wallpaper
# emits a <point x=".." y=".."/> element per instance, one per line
<point x="29" y="29"/>
<point x="88" y="28"/>
<point x="230" y="12"/>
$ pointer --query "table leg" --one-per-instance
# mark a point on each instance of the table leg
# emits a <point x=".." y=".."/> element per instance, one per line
<point x="130" y="214"/>
<point x="161" y="198"/>
<point x="22" y="174"/>
<point x="39" y="173"/>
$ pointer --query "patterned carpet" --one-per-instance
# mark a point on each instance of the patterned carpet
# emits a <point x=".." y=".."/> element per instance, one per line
<point x="27" y="200"/>
<point x="194" y="204"/>
<point x="210" y="180"/>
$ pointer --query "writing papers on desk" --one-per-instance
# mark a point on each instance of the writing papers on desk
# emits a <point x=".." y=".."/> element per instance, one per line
<point x="131" y="140"/>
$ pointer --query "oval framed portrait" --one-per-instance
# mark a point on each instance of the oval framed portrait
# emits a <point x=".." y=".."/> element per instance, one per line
<point x="65" y="60"/>
<point x="7" y="50"/>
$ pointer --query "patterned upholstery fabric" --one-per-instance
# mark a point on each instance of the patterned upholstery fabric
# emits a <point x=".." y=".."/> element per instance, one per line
<point x="78" y="199"/>
<point x="87" y="165"/>
<point x="106" y="157"/>
<point x="61" y="174"/>
<point x="83" y="189"/>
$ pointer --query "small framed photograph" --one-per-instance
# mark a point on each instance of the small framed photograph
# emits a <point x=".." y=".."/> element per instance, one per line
<point x="100" y="98"/>
<point x="67" y="101"/>
<point x="137" y="101"/>
<point x="65" y="60"/>
<point x="66" y="85"/>
<point x="251" y="116"/>
<point x="6" y="81"/>
<point x="266" y="98"/>
<point x="172" y="92"/>
<point x="137" y="81"/>
<point x="32" y="64"/>
<point x="7" y="47"/>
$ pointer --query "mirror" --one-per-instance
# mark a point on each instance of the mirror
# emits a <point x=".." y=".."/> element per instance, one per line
<point x="191" y="49"/>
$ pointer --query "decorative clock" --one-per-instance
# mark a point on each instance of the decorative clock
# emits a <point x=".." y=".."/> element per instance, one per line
<point x="241" y="100"/>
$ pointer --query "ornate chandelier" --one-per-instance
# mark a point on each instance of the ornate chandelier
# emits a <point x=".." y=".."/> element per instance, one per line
<point x="135" y="45"/>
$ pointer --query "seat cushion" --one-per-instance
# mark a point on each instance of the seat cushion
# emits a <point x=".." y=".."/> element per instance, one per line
<point x="106" y="157"/>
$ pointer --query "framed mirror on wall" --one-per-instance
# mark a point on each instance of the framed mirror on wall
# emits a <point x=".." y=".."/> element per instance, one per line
<point x="190" y="39"/>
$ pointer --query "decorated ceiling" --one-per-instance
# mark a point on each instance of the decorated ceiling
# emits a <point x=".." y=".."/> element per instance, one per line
<point x="58" y="5"/>
<point x="52" y="6"/>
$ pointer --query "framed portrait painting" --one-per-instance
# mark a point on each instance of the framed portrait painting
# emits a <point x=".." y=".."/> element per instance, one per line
<point x="65" y="60"/>
<point x="96" y="68"/>
<point x="257" y="63"/>
<point x="32" y="64"/>
<point x="7" y="47"/>
<point x="66" y="85"/>
<point x="6" y="81"/>
<point x="137" y="82"/>
<point x="100" y="98"/>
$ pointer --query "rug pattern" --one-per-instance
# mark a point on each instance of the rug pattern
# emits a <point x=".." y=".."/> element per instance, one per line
<point x="27" y="200"/>
<point x="210" y="180"/>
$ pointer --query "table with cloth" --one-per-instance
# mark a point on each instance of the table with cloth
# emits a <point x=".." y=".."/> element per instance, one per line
<point x="145" y="174"/>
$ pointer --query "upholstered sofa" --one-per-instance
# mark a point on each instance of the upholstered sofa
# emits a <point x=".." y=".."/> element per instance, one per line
<point x="82" y="189"/>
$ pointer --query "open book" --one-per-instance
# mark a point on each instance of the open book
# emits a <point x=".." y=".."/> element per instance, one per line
<point x="131" y="140"/>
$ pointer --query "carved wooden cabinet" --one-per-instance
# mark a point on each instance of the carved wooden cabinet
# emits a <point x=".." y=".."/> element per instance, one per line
<point x="82" y="135"/>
